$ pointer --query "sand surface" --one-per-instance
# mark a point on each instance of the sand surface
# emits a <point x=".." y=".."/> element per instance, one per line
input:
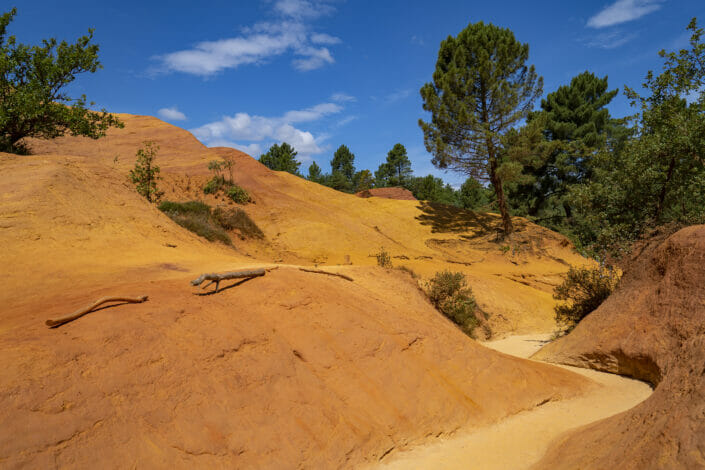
<point x="519" y="441"/>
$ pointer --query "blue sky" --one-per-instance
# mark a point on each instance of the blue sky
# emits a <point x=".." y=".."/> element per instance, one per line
<point x="320" y="73"/>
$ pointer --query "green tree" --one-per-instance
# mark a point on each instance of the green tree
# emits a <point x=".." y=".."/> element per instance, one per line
<point x="339" y="181"/>
<point x="314" y="173"/>
<point x="576" y="119"/>
<point x="343" y="162"/>
<point x="33" y="100"/>
<point x="481" y="89"/>
<point x="363" y="180"/>
<point x="656" y="175"/>
<point x="433" y="189"/>
<point x="473" y="195"/>
<point x="281" y="158"/>
<point x="146" y="174"/>
<point x="397" y="169"/>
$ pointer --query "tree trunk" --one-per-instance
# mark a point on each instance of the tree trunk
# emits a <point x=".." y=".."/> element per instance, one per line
<point x="501" y="199"/>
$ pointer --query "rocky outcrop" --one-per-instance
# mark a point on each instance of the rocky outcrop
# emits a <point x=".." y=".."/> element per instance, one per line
<point x="652" y="328"/>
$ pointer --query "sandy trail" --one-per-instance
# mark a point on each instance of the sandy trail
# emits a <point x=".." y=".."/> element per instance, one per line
<point x="521" y="440"/>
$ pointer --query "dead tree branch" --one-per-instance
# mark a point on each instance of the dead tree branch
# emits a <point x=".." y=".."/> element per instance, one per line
<point x="318" y="271"/>
<point x="90" y="308"/>
<point x="217" y="277"/>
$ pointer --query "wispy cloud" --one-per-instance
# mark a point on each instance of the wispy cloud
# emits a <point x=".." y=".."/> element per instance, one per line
<point x="342" y="97"/>
<point x="623" y="11"/>
<point x="397" y="96"/>
<point x="611" y="40"/>
<point x="171" y="114"/>
<point x="345" y="121"/>
<point x="261" y="131"/>
<point x="290" y="33"/>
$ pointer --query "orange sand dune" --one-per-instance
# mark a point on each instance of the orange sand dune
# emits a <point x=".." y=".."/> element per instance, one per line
<point x="307" y="223"/>
<point x="290" y="370"/>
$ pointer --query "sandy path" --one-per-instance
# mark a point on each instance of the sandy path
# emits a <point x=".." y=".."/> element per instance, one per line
<point x="521" y="440"/>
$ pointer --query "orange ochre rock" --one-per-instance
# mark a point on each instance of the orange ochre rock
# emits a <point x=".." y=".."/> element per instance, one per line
<point x="652" y="328"/>
<point x="289" y="370"/>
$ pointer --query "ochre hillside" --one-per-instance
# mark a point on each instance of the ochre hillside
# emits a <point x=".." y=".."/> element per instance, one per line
<point x="651" y="328"/>
<point x="306" y="223"/>
<point x="289" y="370"/>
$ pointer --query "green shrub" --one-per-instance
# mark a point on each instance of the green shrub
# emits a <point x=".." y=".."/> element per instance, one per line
<point x="584" y="289"/>
<point x="196" y="217"/>
<point x="237" y="194"/>
<point x="190" y="207"/>
<point x="237" y="219"/>
<point x="383" y="259"/>
<point x="449" y="293"/>
<point x="214" y="185"/>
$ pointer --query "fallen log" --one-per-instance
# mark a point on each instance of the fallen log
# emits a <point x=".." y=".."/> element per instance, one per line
<point x="90" y="308"/>
<point x="319" y="271"/>
<point x="217" y="277"/>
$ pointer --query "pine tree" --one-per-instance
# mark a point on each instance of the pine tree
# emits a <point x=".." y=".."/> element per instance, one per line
<point x="577" y="120"/>
<point x="344" y="163"/>
<point x="314" y="173"/>
<point x="396" y="171"/>
<point x="481" y="89"/>
<point x="146" y="174"/>
<point x="281" y="158"/>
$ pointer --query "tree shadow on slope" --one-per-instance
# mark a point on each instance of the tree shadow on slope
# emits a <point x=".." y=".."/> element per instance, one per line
<point x="449" y="219"/>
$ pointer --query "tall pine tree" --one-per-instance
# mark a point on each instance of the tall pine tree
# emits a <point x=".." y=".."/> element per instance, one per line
<point x="576" y="120"/>
<point x="481" y="89"/>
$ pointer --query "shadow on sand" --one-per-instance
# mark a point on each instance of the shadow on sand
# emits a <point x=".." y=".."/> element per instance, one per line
<point x="449" y="219"/>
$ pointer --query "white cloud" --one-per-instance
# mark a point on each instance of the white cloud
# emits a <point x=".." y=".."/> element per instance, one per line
<point x="397" y="96"/>
<point x="342" y="97"/>
<point x="261" y="131"/>
<point x="289" y="34"/>
<point x="623" y="11"/>
<point x="171" y="114"/>
<point x="302" y="9"/>
<point x="610" y="40"/>
<point x="326" y="39"/>
<point x="346" y="120"/>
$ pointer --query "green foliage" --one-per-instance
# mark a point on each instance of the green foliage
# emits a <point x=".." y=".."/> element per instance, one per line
<point x="214" y="185"/>
<point x="584" y="289"/>
<point x="363" y="180"/>
<point x="383" y="259"/>
<point x="574" y="119"/>
<point x="396" y="171"/>
<point x="473" y="195"/>
<point x="343" y="163"/>
<point x="281" y="158"/>
<point x="315" y="174"/>
<point x="181" y="208"/>
<point x="237" y="219"/>
<point x="654" y="174"/>
<point x="146" y="174"/>
<point x="33" y="100"/>
<point x="237" y="194"/>
<point x="481" y="89"/>
<point x="219" y="183"/>
<point x="449" y="293"/>
<point x="432" y="189"/>
<point x="340" y="182"/>
<point x="196" y="217"/>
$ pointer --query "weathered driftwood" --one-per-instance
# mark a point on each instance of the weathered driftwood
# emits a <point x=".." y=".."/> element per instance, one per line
<point x="318" y="271"/>
<point x="90" y="308"/>
<point x="217" y="277"/>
